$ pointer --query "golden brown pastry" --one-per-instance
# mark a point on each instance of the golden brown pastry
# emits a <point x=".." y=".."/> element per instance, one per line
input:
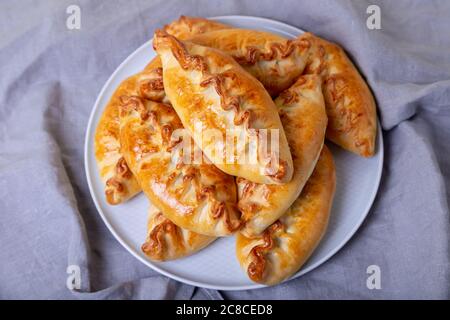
<point x="208" y="88"/>
<point x="167" y="241"/>
<point x="286" y="245"/>
<point x="274" y="60"/>
<point x="277" y="62"/>
<point x="302" y="112"/>
<point x="350" y="105"/>
<point x="120" y="185"/>
<point x="187" y="27"/>
<point x="197" y="197"/>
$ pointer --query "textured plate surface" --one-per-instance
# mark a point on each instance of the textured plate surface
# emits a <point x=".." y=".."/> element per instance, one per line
<point x="216" y="266"/>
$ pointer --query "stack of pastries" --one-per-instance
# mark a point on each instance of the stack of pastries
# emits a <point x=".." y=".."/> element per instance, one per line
<point x="218" y="77"/>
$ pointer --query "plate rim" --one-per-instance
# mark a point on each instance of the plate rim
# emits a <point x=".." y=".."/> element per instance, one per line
<point x="88" y="143"/>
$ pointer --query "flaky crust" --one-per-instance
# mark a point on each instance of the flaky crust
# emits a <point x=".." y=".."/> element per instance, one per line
<point x="286" y="245"/>
<point x="350" y="105"/>
<point x="120" y="185"/>
<point x="275" y="61"/>
<point x="302" y="112"/>
<point x="208" y="87"/>
<point x="197" y="197"/>
<point x="167" y="241"/>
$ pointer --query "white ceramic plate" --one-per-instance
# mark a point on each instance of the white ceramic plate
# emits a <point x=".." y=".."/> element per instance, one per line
<point x="216" y="267"/>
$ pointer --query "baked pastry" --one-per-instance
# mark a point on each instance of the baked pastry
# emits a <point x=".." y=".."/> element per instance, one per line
<point x="274" y="60"/>
<point x="277" y="62"/>
<point x="186" y="27"/>
<point x="207" y="88"/>
<point x="120" y="185"/>
<point x="286" y="245"/>
<point x="196" y="197"/>
<point x="167" y="241"/>
<point x="352" y="119"/>
<point x="302" y="112"/>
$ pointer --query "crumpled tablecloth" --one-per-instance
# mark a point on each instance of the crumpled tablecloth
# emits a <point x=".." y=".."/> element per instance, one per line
<point x="50" y="77"/>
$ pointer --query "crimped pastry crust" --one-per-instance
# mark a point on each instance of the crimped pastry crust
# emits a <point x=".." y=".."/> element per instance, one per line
<point x="120" y="185"/>
<point x="209" y="88"/>
<point x="302" y="112"/>
<point x="275" y="61"/>
<point x="350" y="105"/>
<point x="287" y="244"/>
<point x="196" y="197"/>
<point x="167" y="241"/>
<point x="186" y="27"/>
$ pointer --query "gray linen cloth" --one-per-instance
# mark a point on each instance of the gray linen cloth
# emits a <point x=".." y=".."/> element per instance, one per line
<point x="50" y="77"/>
